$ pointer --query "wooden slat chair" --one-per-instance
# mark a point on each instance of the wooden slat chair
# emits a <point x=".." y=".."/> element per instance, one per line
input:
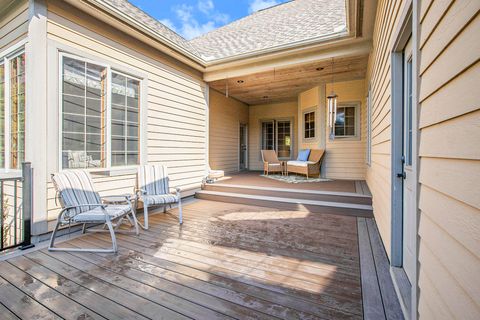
<point x="82" y="204"/>
<point x="153" y="189"/>
<point x="271" y="162"/>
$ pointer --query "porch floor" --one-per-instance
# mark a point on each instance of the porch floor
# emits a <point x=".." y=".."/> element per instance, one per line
<point x="226" y="261"/>
<point x="254" y="178"/>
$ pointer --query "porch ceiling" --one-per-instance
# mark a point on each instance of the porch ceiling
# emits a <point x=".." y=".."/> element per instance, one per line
<point x="285" y="84"/>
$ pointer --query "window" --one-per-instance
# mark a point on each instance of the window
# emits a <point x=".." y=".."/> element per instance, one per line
<point x="345" y="124"/>
<point x="100" y="116"/>
<point x="369" y="128"/>
<point x="125" y="119"/>
<point x="277" y="135"/>
<point x="309" y="125"/>
<point x="12" y="111"/>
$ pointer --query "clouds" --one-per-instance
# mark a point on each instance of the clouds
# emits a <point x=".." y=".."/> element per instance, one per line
<point x="195" y="20"/>
<point x="257" y="5"/>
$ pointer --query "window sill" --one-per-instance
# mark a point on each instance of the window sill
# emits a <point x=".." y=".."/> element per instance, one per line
<point x="112" y="172"/>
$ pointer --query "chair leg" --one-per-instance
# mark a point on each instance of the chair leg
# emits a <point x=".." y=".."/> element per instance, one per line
<point x="180" y="217"/>
<point x="84" y="228"/>
<point x="145" y="215"/>
<point x="52" y="238"/>
<point x="112" y="235"/>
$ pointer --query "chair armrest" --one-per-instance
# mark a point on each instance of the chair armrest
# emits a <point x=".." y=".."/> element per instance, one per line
<point x="177" y="190"/>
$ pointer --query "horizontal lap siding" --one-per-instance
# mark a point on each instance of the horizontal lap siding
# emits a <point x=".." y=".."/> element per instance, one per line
<point x="176" y="101"/>
<point x="449" y="225"/>
<point x="13" y="25"/>
<point x="345" y="157"/>
<point x="226" y="114"/>
<point x="379" y="79"/>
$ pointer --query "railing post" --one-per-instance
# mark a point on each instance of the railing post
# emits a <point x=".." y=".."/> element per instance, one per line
<point x="27" y="201"/>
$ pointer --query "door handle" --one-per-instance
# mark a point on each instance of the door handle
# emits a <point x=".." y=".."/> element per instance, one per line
<point x="402" y="175"/>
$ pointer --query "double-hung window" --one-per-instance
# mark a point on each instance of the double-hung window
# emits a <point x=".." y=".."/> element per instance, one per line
<point x="12" y="110"/>
<point x="100" y="116"/>
<point x="309" y="125"/>
<point x="347" y="121"/>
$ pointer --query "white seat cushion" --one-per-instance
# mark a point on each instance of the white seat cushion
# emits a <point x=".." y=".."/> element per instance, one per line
<point x="299" y="163"/>
<point x="274" y="164"/>
<point x="159" y="199"/>
<point x="97" y="215"/>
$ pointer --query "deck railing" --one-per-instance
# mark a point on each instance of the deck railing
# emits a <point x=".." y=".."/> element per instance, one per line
<point x="16" y="209"/>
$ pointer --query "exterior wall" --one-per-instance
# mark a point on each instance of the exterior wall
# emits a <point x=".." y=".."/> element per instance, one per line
<point x="226" y="115"/>
<point x="13" y="24"/>
<point x="310" y="100"/>
<point x="175" y="103"/>
<point x="257" y="113"/>
<point x="345" y="157"/>
<point x="449" y="150"/>
<point x="378" y="175"/>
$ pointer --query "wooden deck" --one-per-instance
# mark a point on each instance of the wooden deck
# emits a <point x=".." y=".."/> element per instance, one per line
<point x="255" y="178"/>
<point x="226" y="261"/>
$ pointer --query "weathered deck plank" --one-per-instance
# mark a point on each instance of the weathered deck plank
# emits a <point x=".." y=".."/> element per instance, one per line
<point x="226" y="261"/>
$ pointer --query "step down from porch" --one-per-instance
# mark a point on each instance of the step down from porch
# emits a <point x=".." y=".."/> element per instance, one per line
<point x="345" y="203"/>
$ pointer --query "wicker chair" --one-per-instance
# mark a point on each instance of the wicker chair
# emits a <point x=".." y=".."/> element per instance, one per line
<point x="310" y="167"/>
<point x="271" y="162"/>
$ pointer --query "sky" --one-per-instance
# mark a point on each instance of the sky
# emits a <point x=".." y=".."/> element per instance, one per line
<point x="192" y="18"/>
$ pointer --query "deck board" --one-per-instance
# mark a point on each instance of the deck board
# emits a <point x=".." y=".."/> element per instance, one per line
<point x="226" y="261"/>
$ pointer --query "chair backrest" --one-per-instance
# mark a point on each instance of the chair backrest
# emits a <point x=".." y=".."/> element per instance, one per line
<point x="269" y="156"/>
<point x="153" y="179"/>
<point x="77" y="159"/>
<point x="75" y="187"/>
<point x="316" y="155"/>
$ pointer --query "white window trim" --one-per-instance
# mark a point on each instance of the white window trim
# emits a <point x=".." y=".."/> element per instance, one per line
<point x="357" y="106"/>
<point x="314" y="122"/>
<point x="5" y="57"/>
<point x="108" y="169"/>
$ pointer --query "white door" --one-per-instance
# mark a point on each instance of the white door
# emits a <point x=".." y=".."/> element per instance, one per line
<point x="409" y="211"/>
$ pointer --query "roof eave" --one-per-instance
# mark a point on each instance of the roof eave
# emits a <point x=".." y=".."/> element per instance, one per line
<point x="303" y="44"/>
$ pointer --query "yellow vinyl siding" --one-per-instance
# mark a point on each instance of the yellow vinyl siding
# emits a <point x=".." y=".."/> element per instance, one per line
<point x="175" y="101"/>
<point x="309" y="101"/>
<point x="226" y="114"/>
<point x="277" y="111"/>
<point x="345" y="157"/>
<point x="379" y="78"/>
<point x="13" y="24"/>
<point x="449" y="223"/>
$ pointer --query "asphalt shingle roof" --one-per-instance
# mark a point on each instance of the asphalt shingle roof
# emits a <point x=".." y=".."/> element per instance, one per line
<point x="280" y="25"/>
<point x="284" y="24"/>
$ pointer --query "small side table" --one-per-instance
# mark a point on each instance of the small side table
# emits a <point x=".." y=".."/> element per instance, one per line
<point x="121" y="199"/>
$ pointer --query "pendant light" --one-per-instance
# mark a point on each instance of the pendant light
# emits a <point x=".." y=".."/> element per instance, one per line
<point x="332" y="108"/>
